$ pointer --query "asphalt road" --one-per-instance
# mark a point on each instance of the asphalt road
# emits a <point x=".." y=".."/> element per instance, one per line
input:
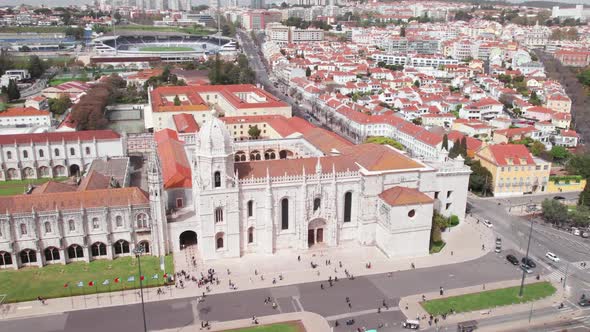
<point x="514" y="231"/>
<point x="366" y="294"/>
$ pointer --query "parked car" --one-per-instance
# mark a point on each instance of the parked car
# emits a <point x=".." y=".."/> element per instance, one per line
<point x="488" y="223"/>
<point x="411" y="324"/>
<point x="512" y="259"/>
<point x="529" y="262"/>
<point x="552" y="256"/>
<point x="584" y="302"/>
<point x="559" y="198"/>
<point x="526" y="268"/>
<point x="585" y="235"/>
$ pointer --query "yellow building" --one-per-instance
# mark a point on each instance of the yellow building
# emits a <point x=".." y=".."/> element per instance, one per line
<point x="514" y="170"/>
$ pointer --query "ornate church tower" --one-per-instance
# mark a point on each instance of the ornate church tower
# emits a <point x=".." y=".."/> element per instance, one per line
<point x="216" y="192"/>
<point x="157" y="206"/>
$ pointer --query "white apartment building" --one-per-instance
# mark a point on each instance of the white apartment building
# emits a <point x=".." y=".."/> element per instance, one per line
<point x="24" y="117"/>
<point x="283" y="35"/>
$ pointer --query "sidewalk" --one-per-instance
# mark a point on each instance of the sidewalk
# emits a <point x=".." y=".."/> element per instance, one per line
<point x="411" y="307"/>
<point x="312" y="322"/>
<point x="463" y="244"/>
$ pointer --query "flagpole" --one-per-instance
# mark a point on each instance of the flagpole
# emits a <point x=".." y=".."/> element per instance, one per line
<point x="84" y="295"/>
<point x="71" y="296"/>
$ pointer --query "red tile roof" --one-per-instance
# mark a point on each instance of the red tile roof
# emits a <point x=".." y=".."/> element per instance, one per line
<point x="502" y="153"/>
<point x="176" y="170"/>
<point x="87" y="135"/>
<point x="399" y="196"/>
<point x="75" y="200"/>
<point x="185" y="123"/>
<point x="23" y="111"/>
<point x="473" y="144"/>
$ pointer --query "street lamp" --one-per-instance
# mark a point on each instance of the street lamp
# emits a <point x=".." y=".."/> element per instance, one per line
<point x="138" y="251"/>
<point x="531" y="209"/>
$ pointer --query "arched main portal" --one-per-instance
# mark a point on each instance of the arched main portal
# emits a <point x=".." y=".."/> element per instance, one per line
<point x="187" y="238"/>
<point x="315" y="232"/>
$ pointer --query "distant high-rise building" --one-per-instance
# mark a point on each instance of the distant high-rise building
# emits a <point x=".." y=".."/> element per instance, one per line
<point x="257" y="4"/>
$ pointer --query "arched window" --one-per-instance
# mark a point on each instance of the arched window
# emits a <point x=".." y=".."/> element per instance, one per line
<point x="99" y="249"/>
<point x="251" y="235"/>
<point x="8" y="155"/>
<point x="23" y="229"/>
<point x="51" y="254"/>
<point x="41" y="153"/>
<point x="87" y="150"/>
<point x="72" y="152"/>
<point x="219" y="241"/>
<point x="118" y="221"/>
<point x="316" y="203"/>
<point x="142" y="220"/>
<point x="56" y="152"/>
<point x="121" y="247"/>
<point x="25" y="154"/>
<point x="71" y="225"/>
<point x="218" y="214"/>
<point x="250" y="208"/>
<point x="75" y="251"/>
<point x="5" y="258"/>
<point x="347" y="206"/>
<point x="47" y="227"/>
<point x="95" y="223"/>
<point x="285" y="213"/>
<point x="217" y="179"/>
<point x="28" y="256"/>
<point x="145" y="246"/>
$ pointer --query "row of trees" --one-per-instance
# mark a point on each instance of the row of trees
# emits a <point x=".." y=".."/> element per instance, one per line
<point x="229" y="72"/>
<point x="559" y="214"/>
<point x="33" y="64"/>
<point x="89" y="112"/>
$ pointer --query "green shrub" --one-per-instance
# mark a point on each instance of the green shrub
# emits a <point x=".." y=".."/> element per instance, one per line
<point x="454" y="220"/>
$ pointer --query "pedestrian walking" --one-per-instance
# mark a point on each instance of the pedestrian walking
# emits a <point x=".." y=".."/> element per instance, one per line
<point x="322" y="286"/>
<point x="347" y="299"/>
<point x="299" y="258"/>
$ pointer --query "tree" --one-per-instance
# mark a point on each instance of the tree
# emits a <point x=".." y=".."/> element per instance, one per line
<point x="580" y="216"/>
<point x="480" y="179"/>
<point x="554" y="211"/>
<point x="59" y="105"/>
<point x="254" y="132"/>
<point x="176" y="101"/>
<point x="585" y="195"/>
<point x="559" y="152"/>
<point x="463" y="148"/>
<point x="36" y="67"/>
<point x="579" y="164"/>
<point x="456" y="149"/>
<point x="12" y="90"/>
<point x="417" y="121"/>
<point x="416" y="83"/>
<point x="535" y="100"/>
<point x="445" y="142"/>
<point x="307" y="72"/>
<point x="402" y="31"/>
<point x="537" y="148"/>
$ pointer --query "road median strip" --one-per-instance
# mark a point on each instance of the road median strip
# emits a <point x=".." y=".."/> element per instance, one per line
<point x="488" y="299"/>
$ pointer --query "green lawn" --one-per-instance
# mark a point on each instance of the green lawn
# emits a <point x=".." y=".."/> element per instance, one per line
<point x="437" y="247"/>
<point x="58" y="81"/>
<point x="280" y="327"/>
<point x="17" y="187"/>
<point x="28" y="283"/>
<point x="489" y="299"/>
<point x="165" y="49"/>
